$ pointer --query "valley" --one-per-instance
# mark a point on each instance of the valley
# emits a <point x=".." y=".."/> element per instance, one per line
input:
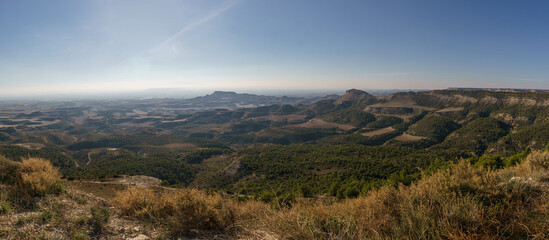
<point x="122" y="164"/>
<point x="210" y="143"/>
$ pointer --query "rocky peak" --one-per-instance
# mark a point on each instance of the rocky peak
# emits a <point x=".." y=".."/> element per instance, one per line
<point x="223" y="94"/>
<point x="355" y="96"/>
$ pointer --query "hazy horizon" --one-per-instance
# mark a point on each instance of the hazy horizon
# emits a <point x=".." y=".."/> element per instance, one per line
<point x="180" y="93"/>
<point x="67" y="48"/>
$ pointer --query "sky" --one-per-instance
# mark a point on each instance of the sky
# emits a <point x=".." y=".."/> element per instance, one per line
<point x="106" y="46"/>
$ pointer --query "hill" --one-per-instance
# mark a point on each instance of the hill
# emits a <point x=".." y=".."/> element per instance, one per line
<point x="455" y="201"/>
<point x="355" y="97"/>
<point x="218" y="148"/>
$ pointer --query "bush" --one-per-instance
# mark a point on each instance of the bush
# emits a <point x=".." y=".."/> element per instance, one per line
<point x="352" y="192"/>
<point x="165" y="183"/>
<point x="80" y="235"/>
<point x="305" y="191"/>
<point x="537" y="161"/>
<point x="99" y="217"/>
<point x="28" y="179"/>
<point x="8" y="171"/>
<point x="38" y="176"/>
<point x="266" y="196"/>
<point x="46" y="216"/>
<point x="182" y="211"/>
<point x="489" y="161"/>
<point x="517" y="158"/>
<point x="5" y="208"/>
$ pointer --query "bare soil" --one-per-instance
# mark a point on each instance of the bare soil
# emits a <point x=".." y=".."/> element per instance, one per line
<point x="281" y="118"/>
<point x="450" y="109"/>
<point x="319" y="123"/>
<point x="407" y="138"/>
<point x="31" y="146"/>
<point x="378" y="132"/>
<point x="401" y="116"/>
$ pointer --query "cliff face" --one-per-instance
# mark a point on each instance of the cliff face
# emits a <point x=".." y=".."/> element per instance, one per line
<point x="459" y="98"/>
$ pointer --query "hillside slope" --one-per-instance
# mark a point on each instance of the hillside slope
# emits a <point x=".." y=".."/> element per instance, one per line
<point x="460" y="201"/>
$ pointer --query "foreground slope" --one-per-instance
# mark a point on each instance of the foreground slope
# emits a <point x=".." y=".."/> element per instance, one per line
<point x="459" y="201"/>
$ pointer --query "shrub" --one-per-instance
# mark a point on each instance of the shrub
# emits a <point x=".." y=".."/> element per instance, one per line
<point x="352" y="192"/>
<point x="56" y="188"/>
<point x="99" y="217"/>
<point x="46" y="216"/>
<point x="80" y="235"/>
<point x="8" y="170"/>
<point x="266" y="196"/>
<point x="535" y="162"/>
<point x="305" y="191"/>
<point x="5" y="208"/>
<point x="165" y="183"/>
<point x="81" y="220"/>
<point x="28" y="179"/>
<point x="78" y="198"/>
<point x="182" y="211"/>
<point x="38" y="176"/>
<point x="517" y="158"/>
<point x="489" y="161"/>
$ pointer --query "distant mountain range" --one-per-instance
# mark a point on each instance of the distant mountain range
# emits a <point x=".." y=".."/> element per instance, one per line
<point x="223" y="99"/>
<point x="500" y="89"/>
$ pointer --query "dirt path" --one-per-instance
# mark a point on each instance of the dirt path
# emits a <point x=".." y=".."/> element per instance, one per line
<point x="89" y="159"/>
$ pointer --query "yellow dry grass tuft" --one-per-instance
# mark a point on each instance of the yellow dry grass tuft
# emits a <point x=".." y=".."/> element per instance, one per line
<point x="38" y="175"/>
<point x="183" y="211"/>
<point x="26" y="181"/>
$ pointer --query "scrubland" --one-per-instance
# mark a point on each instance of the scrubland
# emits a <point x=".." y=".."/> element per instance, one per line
<point x="462" y="201"/>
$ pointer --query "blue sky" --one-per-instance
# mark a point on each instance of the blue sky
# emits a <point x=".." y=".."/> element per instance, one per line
<point x="54" y="47"/>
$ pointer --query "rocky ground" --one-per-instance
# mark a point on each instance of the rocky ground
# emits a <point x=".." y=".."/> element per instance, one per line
<point x="69" y="216"/>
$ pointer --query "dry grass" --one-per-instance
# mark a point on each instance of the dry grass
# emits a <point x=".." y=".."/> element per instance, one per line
<point x="28" y="179"/>
<point x="182" y="211"/>
<point x="462" y="202"/>
<point x="319" y="123"/>
<point x="405" y="137"/>
<point x="38" y="175"/>
<point x="378" y="132"/>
